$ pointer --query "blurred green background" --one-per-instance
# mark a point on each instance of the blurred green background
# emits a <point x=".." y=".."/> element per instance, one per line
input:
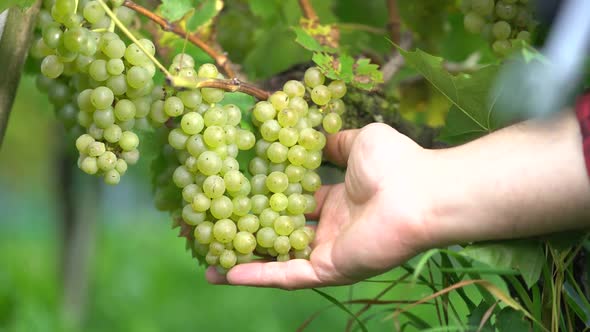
<point x="126" y="268"/>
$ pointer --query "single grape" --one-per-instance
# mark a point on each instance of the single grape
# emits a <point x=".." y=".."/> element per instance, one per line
<point x="267" y="217"/>
<point x="244" y="242"/>
<point x="129" y="141"/>
<point x="98" y="70"/>
<point x="313" y="77"/>
<point x="311" y="181"/>
<point x="214" y="136"/>
<point x="259" y="203"/>
<point x="296" y="204"/>
<point x="338" y="88"/>
<point x="212" y="95"/>
<point x="270" y="130"/>
<point x="102" y="97"/>
<point x="209" y="163"/>
<point x="204" y="232"/>
<point x="277" y="153"/>
<point x="182" y="177"/>
<point x="279" y="100"/>
<point x="245" y="140"/>
<point x="224" y="230"/>
<point x="214" y="186"/>
<point x="505" y="10"/>
<point x="473" y="23"/>
<point x="283" y="225"/>
<point x="104" y="118"/>
<point x="277" y="182"/>
<point x="95" y="149"/>
<point x="278" y="202"/>
<point x="248" y="223"/>
<point x="177" y="139"/>
<point x="52" y="67"/>
<point x="189" y="192"/>
<point x="221" y="207"/>
<point x="192" y="123"/>
<point x="107" y="161"/>
<point x="83" y="142"/>
<point x="501" y="30"/>
<point x="89" y="165"/>
<point x="266" y="237"/>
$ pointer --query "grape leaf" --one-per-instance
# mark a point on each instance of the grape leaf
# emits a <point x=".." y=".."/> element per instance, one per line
<point x="511" y="320"/>
<point x="469" y="93"/>
<point x="22" y="4"/>
<point x="361" y="74"/>
<point x="308" y="42"/>
<point x="526" y="256"/>
<point x="205" y="12"/>
<point x="174" y="10"/>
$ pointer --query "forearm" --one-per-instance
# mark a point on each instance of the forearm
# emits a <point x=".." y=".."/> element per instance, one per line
<point x="525" y="180"/>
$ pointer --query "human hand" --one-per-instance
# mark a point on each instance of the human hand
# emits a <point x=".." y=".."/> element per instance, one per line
<point x="367" y="225"/>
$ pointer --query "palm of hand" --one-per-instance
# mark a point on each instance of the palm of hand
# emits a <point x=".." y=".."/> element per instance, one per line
<point x="367" y="224"/>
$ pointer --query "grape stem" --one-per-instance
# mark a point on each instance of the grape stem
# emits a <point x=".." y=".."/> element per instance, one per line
<point x="394" y="22"/>
<point x="230" y="85"/>
<point x="221" y="59"/>
<point x="308" y="10"/>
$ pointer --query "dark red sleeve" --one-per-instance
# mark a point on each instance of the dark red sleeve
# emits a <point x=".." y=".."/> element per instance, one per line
<point x="583" y="113"/>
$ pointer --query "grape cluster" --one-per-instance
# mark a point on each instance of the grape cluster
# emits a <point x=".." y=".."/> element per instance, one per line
<point x="500" y="21"/>
<point x="235" y="213"/>
<point x="101" y="87"/>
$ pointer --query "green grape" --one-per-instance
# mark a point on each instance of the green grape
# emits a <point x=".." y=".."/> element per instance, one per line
<point x="107" y="161"/>
<point x="83" y="142"/>
<point x="130" y="157"/>
<point x="264" y="111"/>
<point x="287" y="118"/>
<point x="102" y="97"/>
<point x="245" y="140"/>
<point x="104" y="118"/>
<point x="283" y="225"/>
<point x="258" y="183"/>
<point x="244" y="242"/>
<point x="229" y="164"/>
<point x="294" y="88"/>
<point x="224" y="230"/>
<point x="258" y="166"/>
<point x="277" y="182"/>
<point x="211" y="259"/>
<point x="112" y="177"/>
<point x="332" y="123"/>
<point x="192" y="123"/>
<point x="259" y="203"/>
<point x="135" y="56"/>
<point x="215" y="116"/>
<point x="177" y="139"/>
<point x="52" y="35"/>
<point x="183" y="60"/>
<point x="204" y="232"/>
<point x="278" y="202"/>
<point x="201" y="202"/>
<point x="121" y="166"/>
<point x="311" y="139"/>
<point x="214" y="136"/>
<point x="313" y="77"/>
<point x="293" y="188"/>
<point x="524" y="35"/>
<point x="299" y="105"/>
<point x="501" y="30"/>
<point x="279" y="100"/>
<point x="260" y="148"/>
<point x="282" y="245"/>
<point x="195" y="145"/>
<point x="473" y="23"/>
<point x="207" y="70"/>
<point x="115" y="67"/>
<point x="213" y="186"/>
<point x="125" y="110"/>
<point x="267" y="217"/>
<point x="189" y="192"/>
<point x="283" y="257"/>
<point x="52" y="67"/>
<point x="191" y="99"/>
<point x="296" y="204"/>
<point x="138" y="77"/>
<point x="297" y="155"/>
<point x="244" y="258"/>
<point x="313" y="160"/>
<point x="95" y="132"/>
<point x="311" y="182"/>
<point x="482" y="7"/>
<point x="192" y="217"/>
<point x="337" y="89"/>
<point x="505" y="10"/>
<point x="233" y="180"/>
<point x="248" y="223"/>
<point x="73" y="39"/>
<point x="98" y="70"/>
<point x="114" y="48"/>
<point x="221" y="207"/>
<point x="231" y="134"/>
<point x="216" y="248"/>
<point x="501" y="47"/>
<point x="270" y="130"/>
<point x="298" y="221"/>
<point x="274" y="167"/>
<point x="234" y="115"/>
<point x="302" y="254"/>
<point x="266" y="237"/>
<point x="277" y="153"/>
<point x="294" y="173"/>
<point x="93" y="12"/>
<point x="182" y="177"/>
<point x="95" y="149"/>
<point x="209" y="163"/>
<point x="228" y="259"/>
<point x="242" y="205"/>
<point x="212" y="95"/>
<point x="315" y="117"/>
<point x="129" y="141"/>
<point x="85" y="119"/>
<point x="89" y="165"/>
<point x="117" y="84"/>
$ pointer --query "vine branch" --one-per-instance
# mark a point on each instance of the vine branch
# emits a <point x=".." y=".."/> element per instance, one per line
<point x="308" y="10"/>
<point x="221" y="59"/>
<point x="394" y="22"/>
<point x="230" y="85"/>
<point x="14" y="44"/>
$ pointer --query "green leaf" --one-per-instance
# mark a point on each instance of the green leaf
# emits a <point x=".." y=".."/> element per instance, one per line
<point x="205" y="11"/>
<point x="361" y="74"/>
<point x="265" y="9"/>
<point x="341" y="306"/>
<point x="22" y="4"/>
<point x="174" y="10"/>
<point x="308" y="42"/>
<point x="526" y="256"/>
<point x="511" y="320"/>
<point x="476" y="316"/>
<point x="468" y="92"/>
<point x="459" y="128"/>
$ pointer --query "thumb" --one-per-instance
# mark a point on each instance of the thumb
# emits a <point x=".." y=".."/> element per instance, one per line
<point x="339" y="145"/>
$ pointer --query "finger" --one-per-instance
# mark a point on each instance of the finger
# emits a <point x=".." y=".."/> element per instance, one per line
<point x="320" y="198"/>
<point x="339" y="145"/>
<point x="293" y="274"/>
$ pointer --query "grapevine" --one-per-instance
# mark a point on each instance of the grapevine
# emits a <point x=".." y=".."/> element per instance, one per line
<point x="102" y="85"/>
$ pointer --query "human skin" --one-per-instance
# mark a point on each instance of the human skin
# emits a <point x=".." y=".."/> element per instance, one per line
<point x="399" y="199"/>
